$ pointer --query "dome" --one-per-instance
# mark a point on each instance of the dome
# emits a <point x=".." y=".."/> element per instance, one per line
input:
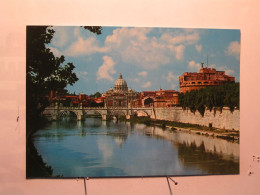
<point x="120" y="84"/>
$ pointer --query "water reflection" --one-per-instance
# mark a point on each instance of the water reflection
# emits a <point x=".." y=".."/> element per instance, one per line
<point x="195" y="156"/>
<point x="97" y="148"/>
<point x="211" y="144"/>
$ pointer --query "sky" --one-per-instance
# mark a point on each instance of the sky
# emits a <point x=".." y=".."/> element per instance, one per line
<point x="148" y="58"/>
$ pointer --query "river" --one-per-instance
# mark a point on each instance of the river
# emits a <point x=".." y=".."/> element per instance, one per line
<point x="96" y="148"/>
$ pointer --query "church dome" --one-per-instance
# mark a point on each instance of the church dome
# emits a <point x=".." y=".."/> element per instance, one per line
<point x="120" y="84"/>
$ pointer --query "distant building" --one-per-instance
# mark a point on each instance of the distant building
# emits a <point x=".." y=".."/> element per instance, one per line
<point x="120" y="95"/>
<point x="77" y="100"/>
<point x="99" y="100"/>
<point x="83" y="100"/>
<point x="206" y="77"/>
<point x="160" y="98"/>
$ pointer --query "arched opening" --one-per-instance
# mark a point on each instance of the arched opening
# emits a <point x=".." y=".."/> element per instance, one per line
<point x="93" y="118"/>
<point x="67" y="115"/>
<point x="117" y="115"/>
<point x="92" y="114"/>
<point x="141" y="113"/>
<point x="148" y="102"/>
<point x="141" y="116"/>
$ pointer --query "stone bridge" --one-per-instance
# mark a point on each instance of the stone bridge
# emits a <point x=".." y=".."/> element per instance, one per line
<point x="56" y="112"/>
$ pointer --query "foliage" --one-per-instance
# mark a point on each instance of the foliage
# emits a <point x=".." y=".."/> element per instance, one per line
<point x="148" y="121"/>
<point x="94" y="29"/>
<point x="35" y="166"/>
<point x="44" y="71"/>
<point x="211" y="97"/>
<point x="96" y="95"/>
<point x="197" y="154"/>
<point x="94" y="104"/>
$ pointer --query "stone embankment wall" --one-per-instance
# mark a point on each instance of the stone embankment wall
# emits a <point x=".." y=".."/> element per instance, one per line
<point x="224" y="119"/>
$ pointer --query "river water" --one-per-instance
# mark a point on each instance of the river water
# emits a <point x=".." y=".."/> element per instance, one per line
<point x="96" y="148"/>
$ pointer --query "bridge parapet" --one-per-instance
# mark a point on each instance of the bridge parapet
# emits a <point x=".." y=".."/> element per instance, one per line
<point x="105" y="112"/>
<point x="98" y="108"/>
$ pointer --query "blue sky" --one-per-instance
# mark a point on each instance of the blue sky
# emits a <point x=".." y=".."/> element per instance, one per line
<point x="148" y="58"/>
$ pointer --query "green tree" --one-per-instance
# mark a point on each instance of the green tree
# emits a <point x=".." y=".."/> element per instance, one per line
<point x="94" y="29"/>
<point x="96" y="95"/>
<point x="44" y="71"/>
<point x="211" y="97"/>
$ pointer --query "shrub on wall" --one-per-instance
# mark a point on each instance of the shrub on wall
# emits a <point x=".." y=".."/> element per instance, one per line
<point x="211" y="97"/>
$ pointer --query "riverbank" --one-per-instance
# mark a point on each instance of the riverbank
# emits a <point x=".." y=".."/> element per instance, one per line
<point x="230" y="135"/>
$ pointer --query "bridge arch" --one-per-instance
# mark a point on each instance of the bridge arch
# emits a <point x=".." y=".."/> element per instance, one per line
<point x="106" y="112"/>
<point x="141" y="113"/>
<point x="64" y="113"/>
<point x="88" y="112"/>
<point x="117" y="113"/>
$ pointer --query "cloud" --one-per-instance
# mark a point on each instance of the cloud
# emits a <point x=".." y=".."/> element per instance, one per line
<point x="85" y="47"/>
<point x="186" y="37"/>
<point x="173" y="86"/>
<point x="82" y="75"/>
<point x="136" y="80"/>
<point x="107" y="68"/>
<point x="212" y="66"/>
<point x="177" y="42"/>
<point x="137" y="46"/>
<point x="76" y="32"/>
<point x="106" y="147"/>
<point x="61" y="36"/>
<point x="143" y="74"/>
<point x="134" y="46"/>
<point x="55" y="51"/>
<point x="170" y="77"/>
<point x="193" y="65"/>
<point x="146" y="85"/>
<point x="233" y="49"/>
<point x="227" y="70"/>
<point x="198" y="48"/>
<point x="179" y="51"/>
<point x="122" y="36"/>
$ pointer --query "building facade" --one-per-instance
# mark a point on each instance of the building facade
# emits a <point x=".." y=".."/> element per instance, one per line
<point x="120" y="95"/>
<point x="160" y="98"/>
<point x="206" y="77"/>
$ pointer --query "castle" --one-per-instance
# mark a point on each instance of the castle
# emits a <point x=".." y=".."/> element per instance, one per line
<point x="206" y="77"/>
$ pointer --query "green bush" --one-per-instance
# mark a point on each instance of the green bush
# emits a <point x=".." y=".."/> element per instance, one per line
<point x="211" y="97"/>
